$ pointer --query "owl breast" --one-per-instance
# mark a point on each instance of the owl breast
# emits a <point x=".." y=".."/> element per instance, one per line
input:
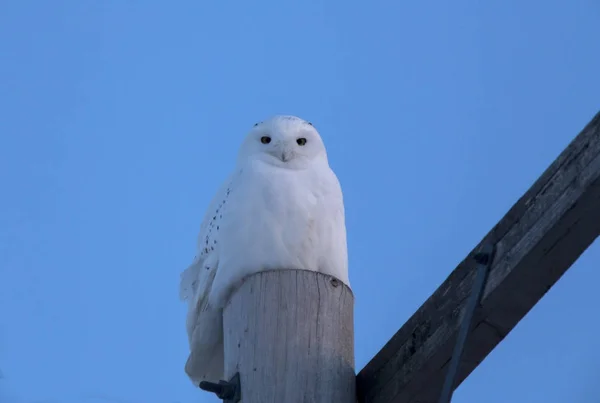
<point x="276" y="219"/>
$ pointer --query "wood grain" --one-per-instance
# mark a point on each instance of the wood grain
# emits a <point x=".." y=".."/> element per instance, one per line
<point x="290" y="335"/>
<point x="537" y="241"/>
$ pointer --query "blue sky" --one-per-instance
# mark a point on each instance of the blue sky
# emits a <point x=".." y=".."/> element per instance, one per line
<point x="119" y="119"/>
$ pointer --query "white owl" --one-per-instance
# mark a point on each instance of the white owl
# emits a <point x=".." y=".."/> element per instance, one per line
<point x="281" y="208"/>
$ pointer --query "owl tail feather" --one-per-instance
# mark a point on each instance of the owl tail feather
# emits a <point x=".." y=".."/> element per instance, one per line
<point x="205" y="365"/>
<point x="206" y="359"/>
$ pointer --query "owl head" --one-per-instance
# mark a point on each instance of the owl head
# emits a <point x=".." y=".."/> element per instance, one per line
<point x="283" y="141"/>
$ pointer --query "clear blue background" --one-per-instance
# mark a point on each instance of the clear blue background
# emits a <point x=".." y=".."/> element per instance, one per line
<point x="119" y="119"/>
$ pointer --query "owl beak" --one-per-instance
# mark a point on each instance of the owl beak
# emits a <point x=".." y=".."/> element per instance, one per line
<point x="282" y="155"/>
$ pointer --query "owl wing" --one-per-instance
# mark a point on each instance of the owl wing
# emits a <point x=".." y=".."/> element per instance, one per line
<point x="194" y="281"/>
<point x="331" y="229"/>
<point x="204" y="323"/>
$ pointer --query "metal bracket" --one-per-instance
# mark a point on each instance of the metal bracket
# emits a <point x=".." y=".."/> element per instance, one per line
<point x="229" y="392"/>
<point x="484" y="260"/>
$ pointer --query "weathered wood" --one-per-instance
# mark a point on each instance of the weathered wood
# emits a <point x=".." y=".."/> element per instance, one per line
<point x="290" y="335"/>
<point x="537" y="241"/>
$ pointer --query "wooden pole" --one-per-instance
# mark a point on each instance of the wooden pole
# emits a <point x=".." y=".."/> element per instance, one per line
<point x="290" y="336"/>
<point x="536" y="242"/>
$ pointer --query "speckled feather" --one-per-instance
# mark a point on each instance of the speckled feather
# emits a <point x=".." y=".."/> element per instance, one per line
<point x="281" y="208"/>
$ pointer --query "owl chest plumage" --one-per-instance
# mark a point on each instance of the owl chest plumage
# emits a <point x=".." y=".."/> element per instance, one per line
<point x="279" y="219"/>
<point x="276" y="211"/>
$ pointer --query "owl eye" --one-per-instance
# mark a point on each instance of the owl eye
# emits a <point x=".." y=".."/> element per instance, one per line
<point x="265" y="139"/>
<point x="301" y="141"/>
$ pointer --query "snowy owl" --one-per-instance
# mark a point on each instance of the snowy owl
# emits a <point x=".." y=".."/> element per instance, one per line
<point x="281" y="208"/>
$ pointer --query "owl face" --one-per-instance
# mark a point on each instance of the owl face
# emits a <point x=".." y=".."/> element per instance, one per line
<point x="284" y="141"/>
